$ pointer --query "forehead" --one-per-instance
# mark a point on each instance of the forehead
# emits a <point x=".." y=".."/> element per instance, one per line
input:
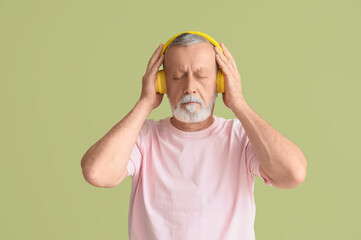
<point x="200" y="68"/>
<point x="198" y="57"/>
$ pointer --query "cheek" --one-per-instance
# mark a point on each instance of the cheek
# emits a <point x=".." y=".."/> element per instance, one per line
<point x="171" y="91"/>
<point x="171" y="86"/>
<point x="173" y="98"/>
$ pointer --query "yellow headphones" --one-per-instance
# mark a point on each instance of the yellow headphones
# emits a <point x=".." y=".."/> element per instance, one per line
<point x="160" y="82"/>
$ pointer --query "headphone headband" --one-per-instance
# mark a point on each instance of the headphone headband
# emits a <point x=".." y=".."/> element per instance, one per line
<point x="160" y="84"/>
<point x="209" y="38"/>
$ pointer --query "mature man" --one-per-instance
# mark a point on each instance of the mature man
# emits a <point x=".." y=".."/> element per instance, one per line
<point x="193" y="173"/>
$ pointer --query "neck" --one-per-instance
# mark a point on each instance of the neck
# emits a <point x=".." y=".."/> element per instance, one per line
<point x="192" y="127"/>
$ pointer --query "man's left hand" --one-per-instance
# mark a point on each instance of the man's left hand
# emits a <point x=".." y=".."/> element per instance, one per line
<point x="232" y="79"/>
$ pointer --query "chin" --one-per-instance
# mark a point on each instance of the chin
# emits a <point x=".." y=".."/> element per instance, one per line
<point x="191" y="117"/>
<point x="191" y="113"/>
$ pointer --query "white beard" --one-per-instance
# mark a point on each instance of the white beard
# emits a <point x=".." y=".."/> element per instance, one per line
<point x="190" y="113"/>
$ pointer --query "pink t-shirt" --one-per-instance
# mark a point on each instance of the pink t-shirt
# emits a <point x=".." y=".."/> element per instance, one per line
<point x="192" y="185"/>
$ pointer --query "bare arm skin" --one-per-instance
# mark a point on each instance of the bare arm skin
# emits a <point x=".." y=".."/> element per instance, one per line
<point x="282" y="162"/>
<point x="104" y="164"/>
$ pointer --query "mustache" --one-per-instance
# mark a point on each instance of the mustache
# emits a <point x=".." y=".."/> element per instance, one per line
<point x="190" y="98"/>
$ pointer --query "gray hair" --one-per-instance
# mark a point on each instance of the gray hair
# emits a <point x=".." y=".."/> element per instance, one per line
<point x="188" y="39"/>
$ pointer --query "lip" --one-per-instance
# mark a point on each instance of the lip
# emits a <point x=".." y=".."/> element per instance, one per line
<point x="190" y="102"/>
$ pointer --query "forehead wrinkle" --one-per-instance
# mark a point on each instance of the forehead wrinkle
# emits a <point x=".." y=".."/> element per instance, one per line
<point x="199" y="69"/>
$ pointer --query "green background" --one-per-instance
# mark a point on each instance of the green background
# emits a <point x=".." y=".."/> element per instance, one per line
<point x="71" y="70"/>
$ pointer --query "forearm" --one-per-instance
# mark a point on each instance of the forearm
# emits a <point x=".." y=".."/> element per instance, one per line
<point x="281" y="159"/>
<point x="106" y="160"/>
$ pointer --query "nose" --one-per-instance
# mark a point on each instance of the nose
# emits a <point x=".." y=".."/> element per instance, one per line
<point x="190" y="87"/>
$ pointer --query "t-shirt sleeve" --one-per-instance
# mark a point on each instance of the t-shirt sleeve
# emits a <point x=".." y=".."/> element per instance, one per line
<point x="136" y="156"/>
<point x="135" y="159"/>
<point x="253" y="162"/>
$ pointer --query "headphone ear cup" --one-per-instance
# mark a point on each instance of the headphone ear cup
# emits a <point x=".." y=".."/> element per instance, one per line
<point x="160" y="82"/>
<point x="220" y="81"/>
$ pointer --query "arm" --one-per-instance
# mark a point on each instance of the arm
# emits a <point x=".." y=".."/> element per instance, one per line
<point x="282" y="162"/>
<point x="104" y="164"/>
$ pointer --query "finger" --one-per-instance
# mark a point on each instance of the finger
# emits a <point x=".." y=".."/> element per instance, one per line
<point x="221" y="55"/>
<point x="228" y="55"/>
<point x="156" y="65"/>
<point x="154" y="58"/>
<point x="225" y="59"/>
<point x="225" y="68"/>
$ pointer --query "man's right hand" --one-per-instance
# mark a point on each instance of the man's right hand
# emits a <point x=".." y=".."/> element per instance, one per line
<point x="149" y="93"/>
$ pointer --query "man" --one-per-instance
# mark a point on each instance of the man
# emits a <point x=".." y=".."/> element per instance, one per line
<point x="193" y="173"/>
